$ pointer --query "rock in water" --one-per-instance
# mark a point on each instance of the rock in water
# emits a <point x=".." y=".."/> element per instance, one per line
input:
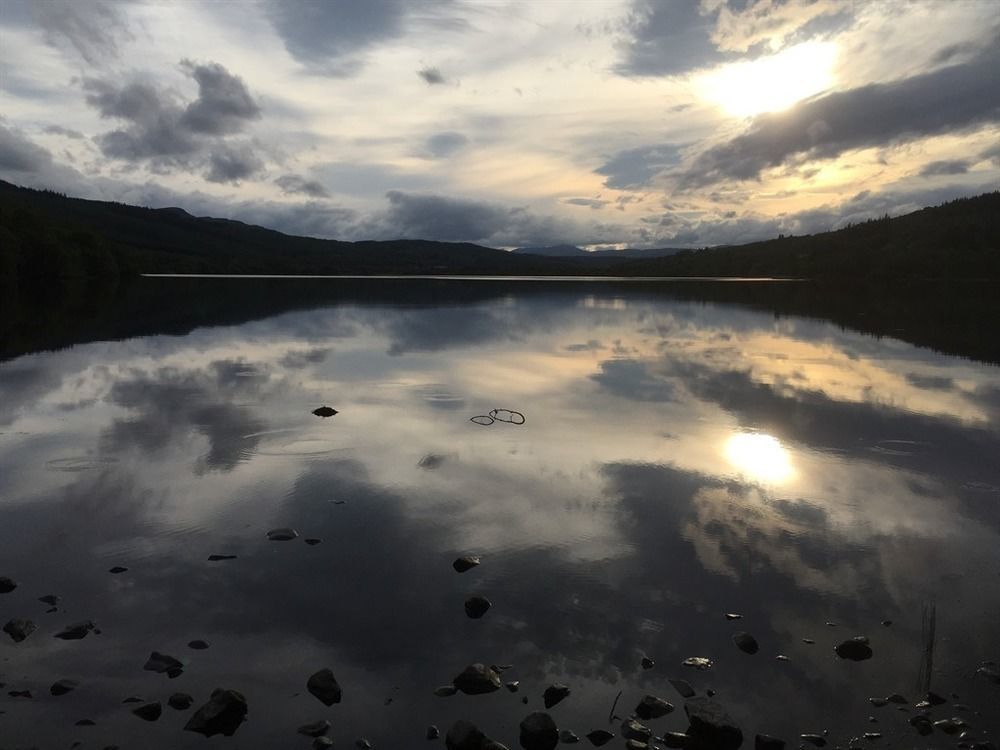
<point x="118" y="569"/>
<point x="198" y="645"/>
<point x="50" y="599"/>
<point x="149" y="712"/>
<point x="554" y="693"/>
<point x="223" y="714"/>
<point x="633" y="730"/>
<point x="855" y="649"/>
<point x="711" y="727"/>
<point x="683" y="687"/>
<point x="676" y="739"/>
<point x="651" y="707"/>
<point x="698" y="662"/>
<point x="766" y="742"/>
<point x="464" y="735"/>
<point x="324" y="686"/>
<point x="539" y="732"/>
<point x="76" y="631"/>
<point x="19" y="629"/>
<point x="322" y="743"/>
<point x="161" y="663"/>
<point x="647" y="663"/>
<point x="325" y="411"/>
<point x="62" y="687"/>
<point x="180" y="701"/>
<point x="6" y="585"/>
<point x="600" y="737"/>
<point x="217" y="558"/>
<point x="433" y="732"/>
<point x="282" y="535"/>
<point x="477" y="606"/>
<point x="445" y="691"/>
<point x="733" y="616"/>
<point x="468" y="562"/>
<point x="746" y="643"/>
<point x="316" y="729"/>
<point x="814" y="739"/>
<point x="567" y="737"/>
<point x="477" y="679"/>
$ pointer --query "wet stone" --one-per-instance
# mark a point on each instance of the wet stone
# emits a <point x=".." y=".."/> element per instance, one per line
<point x="19" y="693"/>
<point x="180" y="701"/>
<point x="312" y="542"/>
<point x="636" y="745"/>
<point x="363" y="744"/>
<point x="647" y="663"/>
<point x="733" y="616"/>
<point x="282" y="535"/>
<point x="651" y="707"/>
<point x="922" y="724"/>
<point x="555" y="693"/>
<point x="512" y="686"/>
<point x="61" y="687"/>
<point x="19" y="629"/>
<point x="746" y="643"/>
<point x="445" y="691"/>
<point x="50" y="599"/>
<point x="76" y="631"/>
<point x="149" y="712"/>
<point x="198" y="645"/>
<point x="567" y="737"/>
<point x="322" y="743"/>
<point x="683" y="687"/>
<point x="477" y="606"/>
<point x="117" y="569"/>
<point x="873" y="735"/>
<point x="767" y="742"/>
<point x="161" y="663"/>
<point x="218" y="558"/>
<point x="468" y="562"/>
<point x="675" y="739"/>
<point x="325" y="411"/>
<point x="323" y="685"/>
<point x="316" y="729"/>
<point x="599" y="737"/>
<point x="223" y="714"/>
<point x="949" y="726"/>
<point x="990" y="671"/>
<point x="432" y="732"/>
<point x="934" y="699"/>
<point x="698" y="662"/>
<point x="896" y="698"/>
<point x="879" y="702"/>
<point x="6" y="585"/>
<point x="464" y="735"/>
<point x="854" y="649"/>
<point x="814" y="739"/>
<point x="538" y="732"/>
<point x="477" y="679"/>
<point x="711" y="726"/>
<point x="633" y="730"/>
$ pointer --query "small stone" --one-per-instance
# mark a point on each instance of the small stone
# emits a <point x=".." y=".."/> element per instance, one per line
<point x="746" y="643"/>
<point x="767" y="742"/>
<point x="599" y="737"/>
<point x="896" y="698"/>
<point x="855" y="649"/>
<point x="133" y="699"/>
<point x="935" y="700"/>
<point x="700" y="663"/>
<point x="990" y="671"/>
<point x="633" y="730"/>
<point x="180" y="701"/>
<point x="322" y="743"/>
<point x="433" y="732"/>
<point x="879" y="702"/>
<point x="445" y="691"/>
<point x="282" y="535"/>
<point x="323" y="685"/>
<point x="86" y="723"/>
<point x="161" y="663"/>
<point x="555" y="693"/>
<point x="61" y="687"/>
<point x="814" y="739"/>
<point x="19" y="693"/>
<point x="922" y="724"/>
<point x="636" y="745"/>
<point x="538" y="732"/>
<point x="477" y="606"/>
<point x="886" y="623"/>
<point x="477" y="679"/>
<point x="6" y="585"/>
<point x="872" y="735"/>
<point x="50" y="599"/>
<point x="733" y="616"/>
<point x="949" y="726"/>
<point x="76" y="631"/>
<point x="363" y="744"/>
<point x="808" y="641"/>
<point x="312" y="542"/>
<point x="117" y="569"/>
<point x="782" y="657"/>
<point x="683" y="687"/>
<point x="464" y="735"/>
<point x="198" y="645"/>
<point x="675" y="739"/>
<point x="149" y="712"/>
<point x="223" y="714"/>
<point x="711" y="726"/>
<point x="19" y="629"/>
<point x="217" y="558"/>
<point x="468" y="562"/>
<point x="513" y="685"/>
<point x="567" y="737"/>
<point x="651" y="707"/>
<point x="325" y="411"/>
<point x="647" y="663"/>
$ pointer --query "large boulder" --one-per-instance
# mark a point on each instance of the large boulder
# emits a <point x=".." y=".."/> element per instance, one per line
<point x="324" y="686"/>
<point x="539" y="732"/>
<point x="711" y="728"/>
<point x="223" y="714"/>
<point x="477" y="679"/>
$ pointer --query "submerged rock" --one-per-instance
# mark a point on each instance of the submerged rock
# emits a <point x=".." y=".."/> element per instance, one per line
<point x="767" y="742"/>
<point x="161" y="663"/>
<point x="675" y="739"/>
<point x="282" y="535"/>
<point x="651" y="707"/>
<point x="432" y="732"/>
<point x="633" y="730"/>
<point x="567" y="737"/>
<point x="50" y="599"/>
<point x="512" y="686"/>
<point x="180" y="701"/>
<point x="555" y="693"/>
<point x="814" y="739"/>
<point x="223" y="714"/>
<point x="445" y="691"/>
<point x="538" y="732"/>
<point x="217" y="558"/>
<point x="698" y="662"/>
<point x="711" y="727"/>
<point x="647" y="663"/>
<point x="363" y="744"/>
<point x="61" y="687"/>
<point x="855" y="649"/>
<point x="464" y="735"/>
<point x="468" y="562"/>
<point x="76" y="631"/>
<point x="746" y="643"/>
<point x="19" y="629"/>
<point x="7" y="585"/>
<point x="477" y="606"/>
<point x="323" y="685"/>
<point x="990" y="671"/>
<point x="733" y="616"/>
<point x="149" y="712"/>
<point x="19" y="693"/>
<point x="477" y="679"/>
<point x="683" y="687"/>
<point x="322" y="743"/>
<point x="198" y="645"/>
<point x="118" y="569"/>
<point x="922" y="724"/>
<point x="312" y="542"/>
<point x="316" y="729"/>
<point x="325" y="411"/>
<point x="599" y="737"/>
<point x="86" y="723"/>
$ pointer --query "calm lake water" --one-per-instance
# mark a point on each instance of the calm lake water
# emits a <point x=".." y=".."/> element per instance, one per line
<point x="679" y="460"/>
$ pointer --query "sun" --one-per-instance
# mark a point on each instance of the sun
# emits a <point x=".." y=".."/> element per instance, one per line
<point x="771" y="84"/>
<point x="760" y="457"/>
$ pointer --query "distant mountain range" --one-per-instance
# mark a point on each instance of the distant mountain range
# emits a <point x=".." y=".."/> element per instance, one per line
<point x="46" y="235"/>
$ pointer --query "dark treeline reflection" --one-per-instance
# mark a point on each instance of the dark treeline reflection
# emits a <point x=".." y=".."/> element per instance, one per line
<point x="950" y="317"/>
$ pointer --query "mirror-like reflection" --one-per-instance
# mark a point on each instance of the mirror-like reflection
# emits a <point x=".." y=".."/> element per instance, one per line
<point x="678" y="461"/>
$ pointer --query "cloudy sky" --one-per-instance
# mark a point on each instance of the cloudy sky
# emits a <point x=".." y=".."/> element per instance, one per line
<point x="643" y="123"/>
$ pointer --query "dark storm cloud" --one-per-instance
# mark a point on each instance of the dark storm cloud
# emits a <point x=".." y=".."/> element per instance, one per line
<point x="445" y="144"/>
<point x="945" y="167"/>
<point x="223" y="105"/>
<point x="636" y="167"/>
<point x="19" y="154"/>
<point x="293" y="183"/>
<point x="432" y="76"/>
<point x="951" y="99"/>
<point x="441" y="218"/>
<point x="668" y="38"/>
<point x="229" y="163"/>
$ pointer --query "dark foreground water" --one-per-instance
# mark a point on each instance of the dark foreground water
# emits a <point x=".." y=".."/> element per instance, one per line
<point x="678" y="461"/>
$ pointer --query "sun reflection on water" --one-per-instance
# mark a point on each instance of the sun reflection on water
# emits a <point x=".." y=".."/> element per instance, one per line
<point x="759" y="457"/>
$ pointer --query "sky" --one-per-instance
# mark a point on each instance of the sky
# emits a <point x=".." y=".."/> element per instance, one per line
<point x="599" y="123"/>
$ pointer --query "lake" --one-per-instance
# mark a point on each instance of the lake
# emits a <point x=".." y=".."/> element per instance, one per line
<point x="684" y="454"/>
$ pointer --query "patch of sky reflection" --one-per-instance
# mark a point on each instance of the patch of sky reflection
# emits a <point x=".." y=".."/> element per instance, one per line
<point x="678" y="461"/>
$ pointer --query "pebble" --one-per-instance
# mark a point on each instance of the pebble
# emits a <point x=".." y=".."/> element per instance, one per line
<point x="468" y="562"/>
<point x="19" y="629"/>
<point x="323" y="686"/>
<point x="477" y="606"/>
<point x="554" y="694"/>
<point x="149" y="712"/>
<point x="223" y="714"/>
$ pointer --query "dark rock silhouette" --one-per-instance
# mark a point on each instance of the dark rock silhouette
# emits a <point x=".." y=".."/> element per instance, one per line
<point x="76" y="631"/>
<point x="6" y="585"/>
<point x="477" y="679"/>
<point x="180" y="701"/>
<point x="477" y="606"/>
<point x="61" y="687"/>
<point x="538" y="732"/>
<point x="855" y="649"/>
<point x="555" y="693"/>
<point x="19" y="629"/>
<point x="223" y="714"/>
<point x="465" y="563"/>
<point x="746" y="643"/>
<point x="711" y="726"/>
<point x="149" y="712"/>
<point x="324" y="411"/>
<point x="651" y="707"/>
<point x="323" y="685"/>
